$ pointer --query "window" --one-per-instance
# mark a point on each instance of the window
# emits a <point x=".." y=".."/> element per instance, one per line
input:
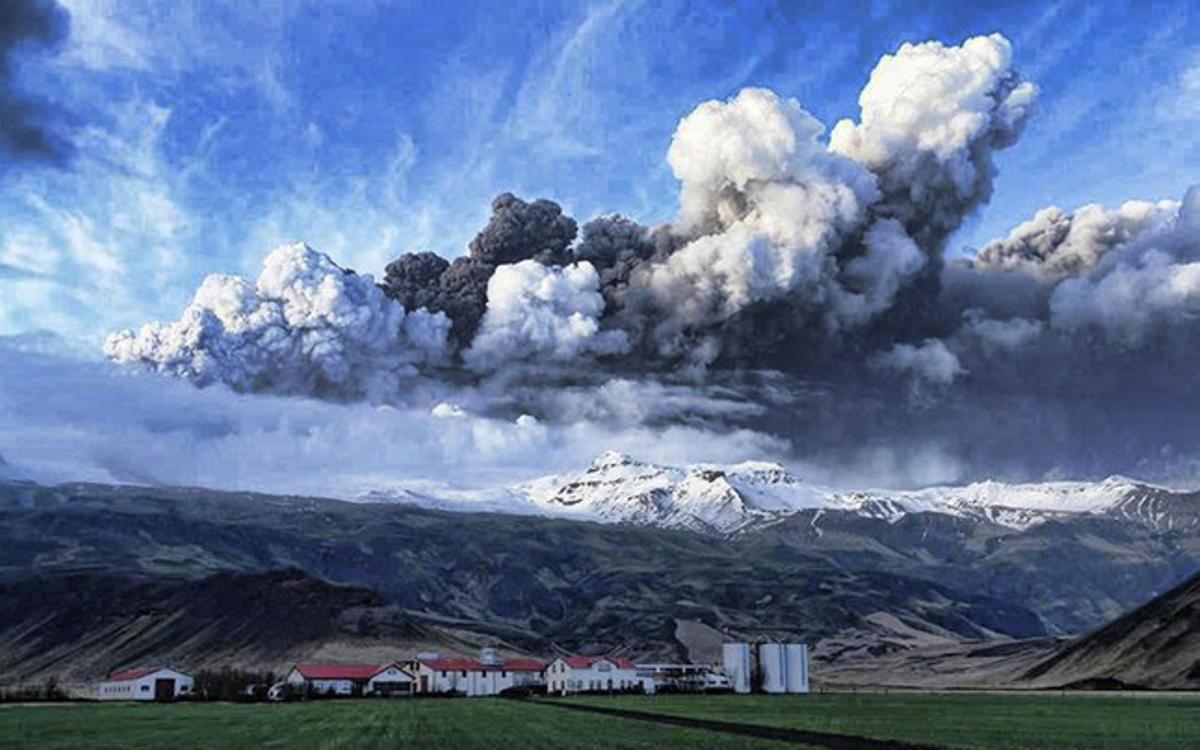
<point x="503" y="674"/>
<point x="485" y="674"/>
<point x="443" y="673"/>
<point x="464" y="673"/>
<point x="145" y="688"/>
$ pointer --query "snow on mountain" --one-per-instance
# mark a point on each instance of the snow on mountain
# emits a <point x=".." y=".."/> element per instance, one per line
<point x="704" y="497"/>
<point x="726" y="499"/>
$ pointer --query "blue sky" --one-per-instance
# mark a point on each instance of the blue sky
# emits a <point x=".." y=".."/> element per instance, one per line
<point x="206" y="133"/>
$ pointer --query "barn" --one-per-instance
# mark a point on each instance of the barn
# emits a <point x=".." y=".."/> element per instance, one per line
<point x="152" y="684"/>
<point x="351" y="679"/>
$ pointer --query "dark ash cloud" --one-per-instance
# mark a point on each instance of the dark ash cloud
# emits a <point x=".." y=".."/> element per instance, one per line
<point x="30" y="127"/>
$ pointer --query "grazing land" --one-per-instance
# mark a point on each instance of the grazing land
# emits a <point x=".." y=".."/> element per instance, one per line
<point x="977" y="720"/>
<point x="1099" y="721"/>
<point x="464" y="723"/>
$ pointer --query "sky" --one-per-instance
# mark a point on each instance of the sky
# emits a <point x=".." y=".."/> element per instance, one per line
<point x="842" y="249"/>
<point x="204" y="134"/>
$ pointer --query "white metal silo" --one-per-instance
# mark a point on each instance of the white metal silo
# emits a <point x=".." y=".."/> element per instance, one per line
<point x="737" y="666"/>
<point x="772" y="666"/>
<point x="796" y="660"/>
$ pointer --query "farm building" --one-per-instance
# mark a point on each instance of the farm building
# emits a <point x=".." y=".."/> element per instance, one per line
<point x="487" y="676"/>
<point x="580" y="674"/>
<point x="682" y="678"/>
<point x="351" y="679"/>
<point x="523" y="672"/>
<point x="153" y="684"/>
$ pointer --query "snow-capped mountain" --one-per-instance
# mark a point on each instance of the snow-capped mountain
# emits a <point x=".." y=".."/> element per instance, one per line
<point x="709" y="498"/>
<point x="726" y="499"/>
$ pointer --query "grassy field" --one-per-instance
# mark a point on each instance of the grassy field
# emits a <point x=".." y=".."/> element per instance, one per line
<point x="994" y="721"/>
<point x="463" y="723"/>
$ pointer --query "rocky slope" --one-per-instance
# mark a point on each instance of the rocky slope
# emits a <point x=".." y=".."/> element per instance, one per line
<point x="1156" y="645"/>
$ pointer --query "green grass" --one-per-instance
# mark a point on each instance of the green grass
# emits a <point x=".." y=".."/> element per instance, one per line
<point x="462" y="723"/>
<point x="980" y="720"/>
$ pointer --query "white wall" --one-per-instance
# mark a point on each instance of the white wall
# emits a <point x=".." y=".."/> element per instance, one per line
<point x="142" y="689"/>
<point x="601" y="675"/>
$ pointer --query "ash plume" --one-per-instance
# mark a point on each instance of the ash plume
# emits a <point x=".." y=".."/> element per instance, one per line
<point x="800" y="293"/>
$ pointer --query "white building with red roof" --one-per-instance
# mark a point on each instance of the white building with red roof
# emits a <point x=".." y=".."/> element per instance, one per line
<point x="472" y="677"/>
<point x="150" y="684"/>
<point x="588" y="674"/>
<point x="351" y="679"/>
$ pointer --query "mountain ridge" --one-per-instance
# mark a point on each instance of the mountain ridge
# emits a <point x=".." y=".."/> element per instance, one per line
<point x="728" y="499"/>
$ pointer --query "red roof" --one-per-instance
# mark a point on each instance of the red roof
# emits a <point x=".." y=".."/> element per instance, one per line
<point x="580" y="662"/>
<point x="132" y="674"/>
<point x="455" y="665"/>
<point x="584" y="662"/>
<point x="523" y="665"/>
<point x="340" y="671"/>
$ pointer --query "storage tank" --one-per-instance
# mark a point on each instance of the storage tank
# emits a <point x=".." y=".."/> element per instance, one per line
<point x="796" y="659"/>
<point x="772" y="665"/>
<point x="737" y="666"/>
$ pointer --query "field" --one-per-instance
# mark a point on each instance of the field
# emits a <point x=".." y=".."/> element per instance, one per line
<point x="1098" y="721"/>
<point x="457" y="723"/>
<point x="994" y="721"/>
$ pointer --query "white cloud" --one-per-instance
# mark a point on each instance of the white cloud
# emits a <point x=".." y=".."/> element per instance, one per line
<point x="306" y="326"/>
<point x="542" y="313"/>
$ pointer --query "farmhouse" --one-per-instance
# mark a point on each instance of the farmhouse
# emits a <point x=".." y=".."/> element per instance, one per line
<point x="351" y="679"/>
<point x="470" y="677"/>
<point x="579" y="674"/>
<point x="154" y="684"/>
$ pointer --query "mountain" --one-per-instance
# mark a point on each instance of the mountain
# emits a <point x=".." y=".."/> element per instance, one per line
<point x="698" y="553"/>
<point x="727" y="499"/>
<point x="710" y="499"/>
<point x="1078" y="553"/>
<point x="96" y="577"/>
<point x="1156" y="645"/>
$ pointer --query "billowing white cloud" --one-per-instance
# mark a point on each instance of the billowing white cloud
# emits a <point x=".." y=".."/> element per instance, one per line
<point x="544" y="313"/>
<point x="932" y="115"/>
<point x="306" y="326"/>
<point x="769" y="205"/>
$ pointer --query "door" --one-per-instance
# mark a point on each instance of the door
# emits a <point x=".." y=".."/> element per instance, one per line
<point x="164" y="690"/>
<point x="424" y="683"/>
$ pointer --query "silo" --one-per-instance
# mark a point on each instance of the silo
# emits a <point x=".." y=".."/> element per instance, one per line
<point x="737" y="666"/>
<point x="772" y="666"/>
<point x="796" y="658"/>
